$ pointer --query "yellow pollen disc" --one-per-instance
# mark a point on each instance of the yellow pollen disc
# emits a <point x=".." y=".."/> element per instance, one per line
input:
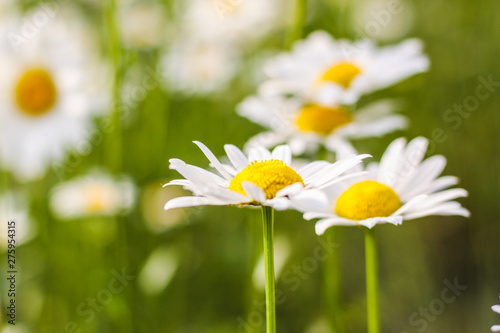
<point x="322" y="120"/>
<point x="35" y="92"/>
<point x="367" y="199"/>
<point x="98" y="199"/>
<point x="342" y="73"/>
<point x="270" y="175"/>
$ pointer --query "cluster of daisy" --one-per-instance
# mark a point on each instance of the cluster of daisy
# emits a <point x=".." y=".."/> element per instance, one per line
<point x="308" y="104"/>
<point x="211" y="39"/>
<point x="53" y="91"/>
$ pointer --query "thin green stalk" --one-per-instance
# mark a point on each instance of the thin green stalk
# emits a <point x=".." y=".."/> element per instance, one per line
<point x="297" y="29"/>
<point x="114" y="151"/>
<point x="268" y="222"/>
<point x="371" y="281"/>
<point x="332" y="284"/>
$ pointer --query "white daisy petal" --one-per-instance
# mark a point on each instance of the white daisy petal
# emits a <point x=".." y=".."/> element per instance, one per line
<point x="196" y="175"/>
<point x="440" y="197"/>
<point x="357" y="175"/>
<point x="495" y="328"/>
<point x="441" y="183"/>
<point x="445" y="209"/>
<point x="425" y="174"/>
<point x="309" y="200"/>
<point x="409" y="162"/>
<point x="317" y="215"/>
<point x="496" y="308"/>
<point x="337" y="169"/>
<point x="182" y="202"/>
<point x="283" y="153"/>
<point x="410" y="204"/>
<point x="254" y="191"/>
<point x="290" y="190"/>
<point x="215" y="162"/>
<point x="237" y="158"/>
<point x="389" y="161"/>
<point x="259" y="154"/>
<point x="310" y="169"/>
<point x="322" y="225"/>
<point x="181" y="182"/>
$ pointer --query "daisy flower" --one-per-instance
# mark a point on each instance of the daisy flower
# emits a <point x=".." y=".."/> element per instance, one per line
<point x="142" y="24"/>
<point x="51" y="88"/>
<point x="94" y="194"/>
<point x="262" y="178"/>
<point x="402" y="186"/>
<point x="195" y="65"/>
<point x="305" y="126"/>
<point x="327" y="70"/>
<point x="496" y="328"/>
<point x="13" y="208"/>
<point x="236" y="21"/>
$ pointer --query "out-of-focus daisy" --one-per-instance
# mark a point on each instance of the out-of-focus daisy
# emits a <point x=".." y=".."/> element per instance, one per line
<point x="13" y="208"/>
<point x="196" y="65"/>
<point x="262" y="178"/>
<point x="51" y="87"/>
<point x="95" y="194"/>
<point x="402" y="186"/>
<point x="305" y="126"/>
<point x="383" y="20"/>
<point x="282" y="251"/>
<point x="152" y="201"/>
<point x="236" y="21"/>
<point x="142" y="24"/>
<point x="158" y="270"/>
<point x="496" y="328"/>
<point x="327" y="70"/>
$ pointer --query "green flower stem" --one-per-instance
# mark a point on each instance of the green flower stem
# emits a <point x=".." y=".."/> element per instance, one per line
<point x="332" y="284"/>
<point x="297" y="30"/>
<point x="268" y="222"/>
<point x="371" y="281"/>
<point x="114" y="151"/>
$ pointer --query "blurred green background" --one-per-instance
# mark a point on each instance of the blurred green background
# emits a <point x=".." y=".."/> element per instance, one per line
<point x="193" y="270"/>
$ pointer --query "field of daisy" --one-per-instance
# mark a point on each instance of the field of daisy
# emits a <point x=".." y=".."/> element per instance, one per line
<point x="249" y="166"/>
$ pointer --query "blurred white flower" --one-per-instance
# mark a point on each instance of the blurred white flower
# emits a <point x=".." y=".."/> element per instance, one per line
<point x="13" y="207"/>
<point x="383" y="20"/>
<point x="282" y="250"/>
<point x="328" y="71"/>
<point x="236" y="21"/>
<point x="402" y="186"/>
<point x="51" y="87"/>
<point x="158" y="271"/>
<point x="142" y="24"/>
<point x="195" y="65"/>
<point x="94" y="194"/>
<point x="496" y="328"/>
<point x="155" y="218"/>
<point x="306" y="126"/>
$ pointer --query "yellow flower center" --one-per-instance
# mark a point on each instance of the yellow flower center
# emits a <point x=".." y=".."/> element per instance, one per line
<point x="342" y="73"/>
<point x="35" y="92"/>
<point x="98" y="199"/>
<point x="367" y="199"/>
<point x="322" y="120"/>
<point x="270" y="175"/>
